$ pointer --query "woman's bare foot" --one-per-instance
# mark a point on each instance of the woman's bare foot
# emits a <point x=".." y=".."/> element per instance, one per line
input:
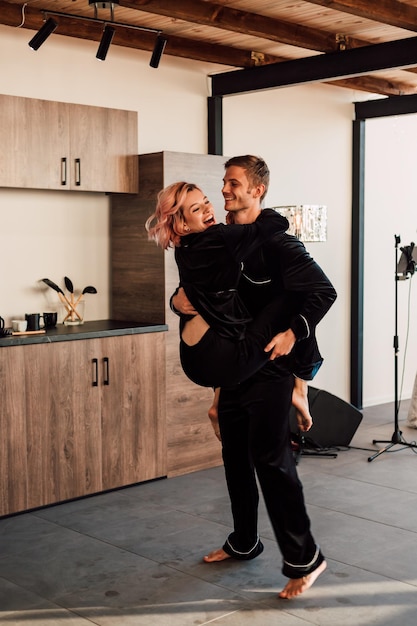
<point x="297" y="586"/>
<point x="216" y="556"/>
<point x="300" y="402"/>
<point x="213" y="414"/>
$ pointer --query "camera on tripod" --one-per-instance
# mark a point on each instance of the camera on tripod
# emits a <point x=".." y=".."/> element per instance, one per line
<point x="408" y="261"/>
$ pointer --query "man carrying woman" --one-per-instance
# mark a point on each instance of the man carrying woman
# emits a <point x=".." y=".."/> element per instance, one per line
<point x="254" y="416"/>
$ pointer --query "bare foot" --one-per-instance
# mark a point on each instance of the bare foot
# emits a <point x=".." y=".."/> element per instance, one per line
<point x="216" y="555"/>
<point x="300" y="402"/>
<point x="297" y="586"/>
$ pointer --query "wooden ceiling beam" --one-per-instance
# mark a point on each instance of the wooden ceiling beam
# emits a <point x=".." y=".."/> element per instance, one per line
<point x="390" y="12"/>
<point x="371" y="84"/>
<point x="234" y="20"/>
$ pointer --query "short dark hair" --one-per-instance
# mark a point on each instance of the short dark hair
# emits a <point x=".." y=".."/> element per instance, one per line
<point x="257" y="171"/>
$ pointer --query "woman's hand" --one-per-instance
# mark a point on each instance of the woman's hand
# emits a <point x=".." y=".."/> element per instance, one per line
<point x="281" y="344"/>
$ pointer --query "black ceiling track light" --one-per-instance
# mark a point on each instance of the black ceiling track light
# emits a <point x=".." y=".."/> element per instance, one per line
<point x="43" y="33"/>
<point x="108" y="32"/>
<point x="158" y="50"/>
<point x="106" y="39"/>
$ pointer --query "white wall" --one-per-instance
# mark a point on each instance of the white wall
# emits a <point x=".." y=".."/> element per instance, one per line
<point x="304" y="133"/>
<point x="390" y="209"/>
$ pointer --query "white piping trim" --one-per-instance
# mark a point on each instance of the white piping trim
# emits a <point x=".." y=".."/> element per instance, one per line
<point x="238" y="551"/>
<point x="307" y="326"/>
<point x="315" y="557"/>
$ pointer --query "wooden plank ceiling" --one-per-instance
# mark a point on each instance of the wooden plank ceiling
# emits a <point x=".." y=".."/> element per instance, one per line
<point x="238" y="34"/>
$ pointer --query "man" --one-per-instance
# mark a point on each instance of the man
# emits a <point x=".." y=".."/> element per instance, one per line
<point x="253" y="417"/>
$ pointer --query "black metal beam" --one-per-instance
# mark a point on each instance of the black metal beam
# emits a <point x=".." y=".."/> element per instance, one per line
<point x="357" y="265"/>
<point x="330" y="66"/>
<point x="394" y="105"/>
<point x="215" y="125"/>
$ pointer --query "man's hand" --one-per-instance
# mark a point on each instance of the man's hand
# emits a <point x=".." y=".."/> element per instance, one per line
<point x="182" y="303"/>
<point x="281" y="344"/>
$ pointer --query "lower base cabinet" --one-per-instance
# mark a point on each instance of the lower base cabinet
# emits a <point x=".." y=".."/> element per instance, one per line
<point x="80" y="417"/>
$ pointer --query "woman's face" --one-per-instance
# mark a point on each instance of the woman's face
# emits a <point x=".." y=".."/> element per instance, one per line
<point x="198" y="212"/>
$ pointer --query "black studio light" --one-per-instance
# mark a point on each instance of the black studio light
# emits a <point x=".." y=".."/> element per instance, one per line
<point x="43" y="33"/>
<point x="158" y="50"/>
<point x="106" y="39"/>
<point x="109" y="30"/>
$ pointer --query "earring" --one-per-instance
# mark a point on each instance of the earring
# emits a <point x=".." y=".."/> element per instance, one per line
<point x="186" y="228"/>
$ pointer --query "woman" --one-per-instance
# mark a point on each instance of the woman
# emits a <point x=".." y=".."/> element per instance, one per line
<point x="222" y="345"/>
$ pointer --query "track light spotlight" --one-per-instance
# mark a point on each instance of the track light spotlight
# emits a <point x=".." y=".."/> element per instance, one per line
<point x="106" y="39"/>
<point x="158" y="50"/>
<point x="43" y="33"/>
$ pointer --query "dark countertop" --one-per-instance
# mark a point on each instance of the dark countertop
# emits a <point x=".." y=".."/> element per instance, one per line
<point x="88" y="330"/>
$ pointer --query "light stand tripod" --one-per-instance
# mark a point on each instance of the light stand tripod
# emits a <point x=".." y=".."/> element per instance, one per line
<point x="405" y="267"/>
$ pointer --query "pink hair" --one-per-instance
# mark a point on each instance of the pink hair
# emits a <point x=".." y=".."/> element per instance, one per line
<point x="168" y="217"/>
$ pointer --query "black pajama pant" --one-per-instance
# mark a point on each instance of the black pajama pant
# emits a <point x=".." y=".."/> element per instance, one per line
<point x="254" y="426"/>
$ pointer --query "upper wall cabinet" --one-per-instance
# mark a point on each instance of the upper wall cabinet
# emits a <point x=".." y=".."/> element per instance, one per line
<point x="56" y="145"/>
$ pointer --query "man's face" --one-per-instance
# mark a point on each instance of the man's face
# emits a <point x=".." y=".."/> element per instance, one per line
<point x="237" y="192"/>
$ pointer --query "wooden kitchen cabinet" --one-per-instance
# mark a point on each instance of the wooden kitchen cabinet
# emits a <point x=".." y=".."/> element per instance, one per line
<point x="57" y="145"/>
<point x="80" y="417"/>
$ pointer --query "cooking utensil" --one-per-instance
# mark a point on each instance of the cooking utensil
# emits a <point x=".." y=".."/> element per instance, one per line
<point x="61" y="294"/>
<point x="88" y="289"/>
<point x="70" y="287"/>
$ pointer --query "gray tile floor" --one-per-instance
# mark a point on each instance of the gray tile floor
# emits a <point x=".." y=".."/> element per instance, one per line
<point x="133" y="557"/>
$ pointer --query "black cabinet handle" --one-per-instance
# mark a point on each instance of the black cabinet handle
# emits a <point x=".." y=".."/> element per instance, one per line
<point x="95" y="372"/>
<point x="63" y="171"/>
<point x="106" y="371"/>
<point x="78" y="172"/>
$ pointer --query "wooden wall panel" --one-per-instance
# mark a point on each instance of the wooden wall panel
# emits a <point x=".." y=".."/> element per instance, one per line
<point x="143" y="279"/>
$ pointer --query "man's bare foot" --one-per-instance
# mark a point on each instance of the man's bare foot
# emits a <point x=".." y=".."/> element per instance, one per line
<point x="300" y="402"/>
<point x="297" y="586"/>
<point x="216" y="555"/>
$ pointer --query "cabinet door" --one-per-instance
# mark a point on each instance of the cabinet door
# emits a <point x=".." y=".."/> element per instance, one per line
<point x="103" y="149"/>
<point x="62" y="422"/>
<point x="13" y="442"/>
<point x="34" y="138"/>
<point x="133" y="409"/>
